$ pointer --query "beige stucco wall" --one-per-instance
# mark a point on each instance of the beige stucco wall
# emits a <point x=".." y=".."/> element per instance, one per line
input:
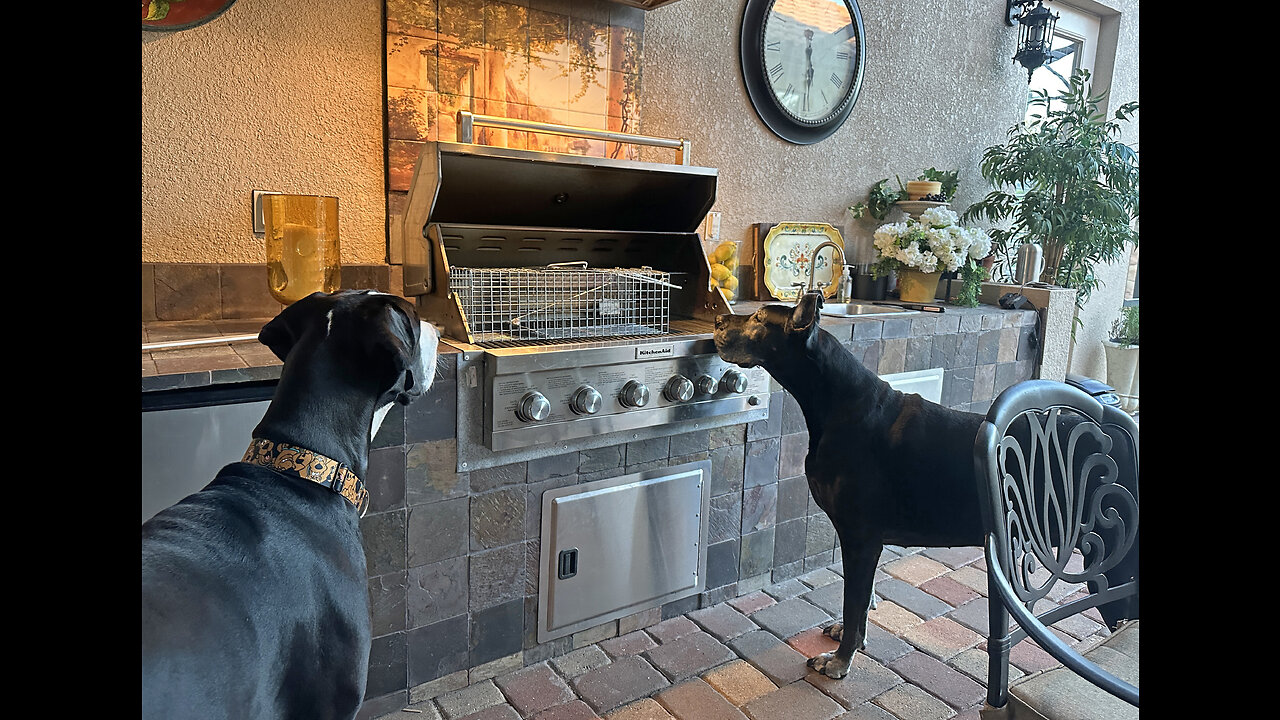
<point x="939" y="88"/>
<point x="268" y="96"/>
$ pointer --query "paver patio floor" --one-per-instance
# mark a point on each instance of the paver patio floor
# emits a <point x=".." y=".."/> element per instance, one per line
<point x="744" y="659"/>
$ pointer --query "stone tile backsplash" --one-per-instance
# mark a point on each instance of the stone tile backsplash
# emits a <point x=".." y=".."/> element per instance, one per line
<point x="225" y="291"/>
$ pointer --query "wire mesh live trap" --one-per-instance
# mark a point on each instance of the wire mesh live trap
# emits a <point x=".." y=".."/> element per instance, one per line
<point x="564" y="301"/>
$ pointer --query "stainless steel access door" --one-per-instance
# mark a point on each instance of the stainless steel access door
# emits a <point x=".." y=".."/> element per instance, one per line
<point x="615" y="547"/>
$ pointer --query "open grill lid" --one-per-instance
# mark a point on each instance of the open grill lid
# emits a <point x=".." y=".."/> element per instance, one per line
<point x="478" y="206"/>
<point x="464" y="183"/>
<point x="481" y="185"/>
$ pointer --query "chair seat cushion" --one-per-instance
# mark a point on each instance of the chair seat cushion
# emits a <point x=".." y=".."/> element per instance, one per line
<point x="1060" y="694"/>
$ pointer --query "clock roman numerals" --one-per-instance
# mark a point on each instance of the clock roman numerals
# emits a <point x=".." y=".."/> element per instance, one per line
<point x="802" y="68"/>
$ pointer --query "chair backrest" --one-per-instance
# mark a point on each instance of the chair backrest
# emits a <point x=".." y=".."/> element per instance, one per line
<point x="1057" y="471"/>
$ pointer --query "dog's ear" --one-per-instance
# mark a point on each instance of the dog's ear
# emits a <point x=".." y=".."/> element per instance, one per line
<point x="395" y="344"/>
<point x="804" y="319"/>
<point x="285" y="329"/>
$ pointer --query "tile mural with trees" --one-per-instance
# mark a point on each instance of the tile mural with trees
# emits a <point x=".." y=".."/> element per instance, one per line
<point x="569" y="63"/>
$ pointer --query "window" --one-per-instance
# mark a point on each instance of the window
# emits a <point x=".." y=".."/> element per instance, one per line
<point x="1075" y="46"/>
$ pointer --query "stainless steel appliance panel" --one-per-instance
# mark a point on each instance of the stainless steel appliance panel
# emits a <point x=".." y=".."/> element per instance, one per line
<point x="182" y="449"/>
<point x="627" y="544"/>
<point x="475" y="434"/>
<point x="706" y="377"/>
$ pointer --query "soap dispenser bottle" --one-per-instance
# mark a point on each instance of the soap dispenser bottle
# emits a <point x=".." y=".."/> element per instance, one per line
<point x="844" y="290"/>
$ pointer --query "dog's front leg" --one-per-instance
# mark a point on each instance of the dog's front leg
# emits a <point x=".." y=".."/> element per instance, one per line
<point x="859" y="559"/>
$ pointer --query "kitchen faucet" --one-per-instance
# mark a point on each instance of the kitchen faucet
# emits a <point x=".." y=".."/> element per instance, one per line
<point x="814" y="264"/>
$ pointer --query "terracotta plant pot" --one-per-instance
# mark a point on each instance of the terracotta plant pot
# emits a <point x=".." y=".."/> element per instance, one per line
<point x="916" y="286"/>
<point x="917" y="189"/>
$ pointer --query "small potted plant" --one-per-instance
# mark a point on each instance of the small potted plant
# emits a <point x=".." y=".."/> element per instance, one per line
<point x="921" y="249"/>
<point x="1122" y="358"/>
<point x="880" y="199"/>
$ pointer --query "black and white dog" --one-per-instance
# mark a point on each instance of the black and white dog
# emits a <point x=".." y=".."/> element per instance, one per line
<point x="254" y="593"/>
<point x="886" y="467"/>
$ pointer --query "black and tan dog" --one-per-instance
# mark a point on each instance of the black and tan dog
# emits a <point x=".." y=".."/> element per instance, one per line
<point x="885" y="466"/>
<point x="254" y="593"/>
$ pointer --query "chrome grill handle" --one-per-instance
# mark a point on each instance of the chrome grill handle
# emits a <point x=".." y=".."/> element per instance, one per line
<point x="467" y="121"/>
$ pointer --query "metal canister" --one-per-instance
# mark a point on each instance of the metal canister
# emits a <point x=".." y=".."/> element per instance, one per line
<point x="1030" y="264"/>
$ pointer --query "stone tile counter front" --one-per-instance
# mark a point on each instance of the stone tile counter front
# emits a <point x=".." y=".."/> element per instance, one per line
<point x="453" y="556"/>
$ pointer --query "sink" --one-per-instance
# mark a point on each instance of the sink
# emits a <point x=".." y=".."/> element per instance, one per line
<point x="861" y="309"/>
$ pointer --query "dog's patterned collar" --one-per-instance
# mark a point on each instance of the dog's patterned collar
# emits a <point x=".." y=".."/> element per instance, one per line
<point x="310" y="465"/>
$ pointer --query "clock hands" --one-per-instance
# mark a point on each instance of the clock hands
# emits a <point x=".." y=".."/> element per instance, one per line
<point x="808" y="61"/>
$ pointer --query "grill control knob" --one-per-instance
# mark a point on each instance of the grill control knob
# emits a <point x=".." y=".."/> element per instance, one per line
<point x="533" y="407"/>
<point x="678" y="389"/>
<point x="733" y="381"/>
<point x="706" y="385"/>
<point x="585" y="401"/>
<point x="634" y="394"/>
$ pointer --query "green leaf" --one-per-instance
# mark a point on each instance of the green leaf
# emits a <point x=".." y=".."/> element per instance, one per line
<point x="158" y="10"/>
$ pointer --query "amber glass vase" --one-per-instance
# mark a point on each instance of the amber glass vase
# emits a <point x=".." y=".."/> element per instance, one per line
<point x="301" y="233"/>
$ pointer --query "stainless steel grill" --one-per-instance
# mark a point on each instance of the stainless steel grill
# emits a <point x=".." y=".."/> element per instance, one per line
<point x="579" y="298"/>
<point x="576" y="289"/>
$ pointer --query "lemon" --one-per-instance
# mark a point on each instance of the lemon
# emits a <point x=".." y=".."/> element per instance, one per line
<point x="730" y="283"/>
<point x="731" y="263"/>
<point x="720" y="272"/>
<point x="728" y="294"/>
<point x="726" y="250"/>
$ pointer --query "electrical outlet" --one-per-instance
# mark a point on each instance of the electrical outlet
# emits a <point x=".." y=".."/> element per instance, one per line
<point x="711" y="226"/>
<point x="259" y="227"/>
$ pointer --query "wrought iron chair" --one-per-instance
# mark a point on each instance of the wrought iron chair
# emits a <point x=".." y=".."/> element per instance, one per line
<point x="1057" y="470"/>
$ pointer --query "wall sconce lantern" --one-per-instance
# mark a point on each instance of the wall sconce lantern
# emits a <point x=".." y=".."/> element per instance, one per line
<point x="1035" y="37"/>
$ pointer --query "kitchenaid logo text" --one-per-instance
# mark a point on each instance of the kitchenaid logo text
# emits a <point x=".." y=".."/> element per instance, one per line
<point x="653" y="352"/>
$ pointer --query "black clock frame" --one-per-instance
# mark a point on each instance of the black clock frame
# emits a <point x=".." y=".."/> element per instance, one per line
<point x="751" y="54"/>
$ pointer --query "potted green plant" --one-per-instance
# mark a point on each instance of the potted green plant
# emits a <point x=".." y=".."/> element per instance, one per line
<point x="1064" y="181"/>
<point x="880" y="199"/>
<point x="1122" y="358"/>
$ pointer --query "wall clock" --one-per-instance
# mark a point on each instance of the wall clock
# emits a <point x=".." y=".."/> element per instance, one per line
<point x="802" y="64"/>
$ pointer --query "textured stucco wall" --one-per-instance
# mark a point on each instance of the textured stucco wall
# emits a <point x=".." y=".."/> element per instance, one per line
<point x="268" y="96"/>
<point x="939" y="88"/>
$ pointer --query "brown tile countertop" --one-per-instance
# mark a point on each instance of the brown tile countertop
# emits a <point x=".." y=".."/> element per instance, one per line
<point x="224" y="363"/>
<point x="249" y="361"/>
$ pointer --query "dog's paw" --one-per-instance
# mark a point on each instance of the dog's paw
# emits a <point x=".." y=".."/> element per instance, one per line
<point x="830" y="665"/>
<point x="835" y="631"/>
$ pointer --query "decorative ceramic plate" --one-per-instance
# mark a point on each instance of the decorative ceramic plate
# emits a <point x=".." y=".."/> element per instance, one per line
<point x="788" y="254"/>
<point x="173" y="15"/>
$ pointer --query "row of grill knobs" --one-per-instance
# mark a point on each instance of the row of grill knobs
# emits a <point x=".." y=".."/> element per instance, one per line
<point x="586" y="400"/>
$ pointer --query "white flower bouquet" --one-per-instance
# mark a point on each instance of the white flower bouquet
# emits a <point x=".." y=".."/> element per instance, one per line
<point x="933" y="243"/>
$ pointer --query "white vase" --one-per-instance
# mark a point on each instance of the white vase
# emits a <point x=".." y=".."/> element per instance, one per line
<point x="1122" y="373"/>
